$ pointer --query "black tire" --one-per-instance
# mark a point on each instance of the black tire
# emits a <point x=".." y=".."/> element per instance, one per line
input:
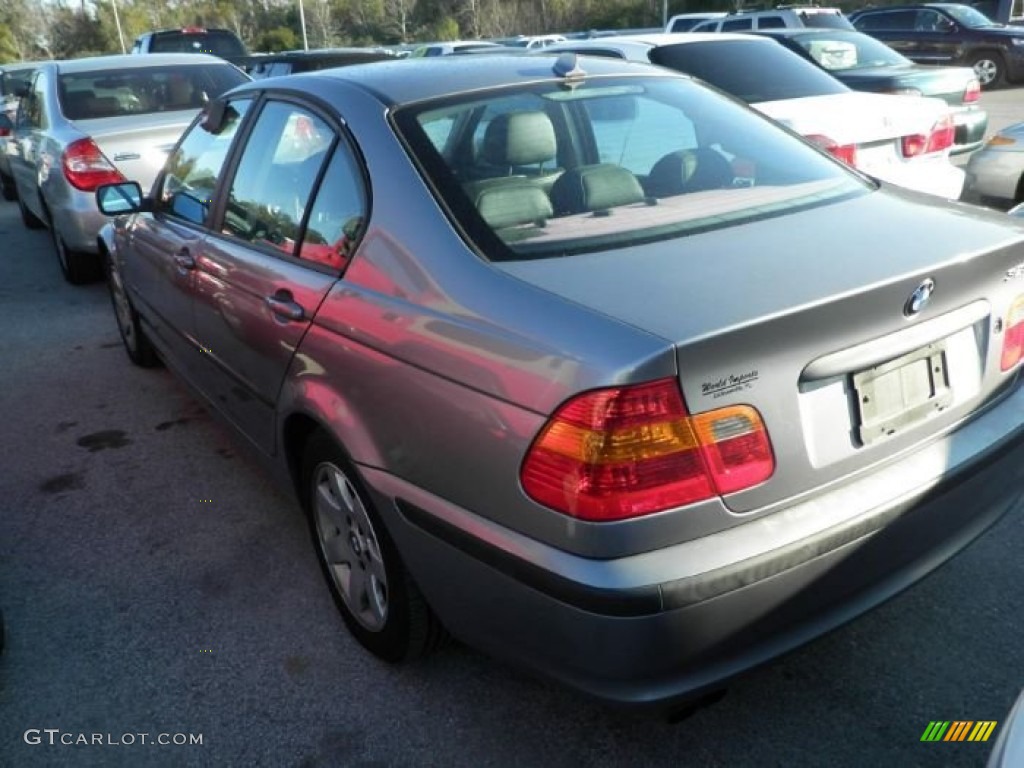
<point x="29" y="219"/>
<point x="136" y="343"/>
<point x="406" y="628"/>
<point x="7" y="188"/>
<point x="990" y="68"/>
<point x="78" y="267"/>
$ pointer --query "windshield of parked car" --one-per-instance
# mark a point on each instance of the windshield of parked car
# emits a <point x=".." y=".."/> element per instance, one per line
<point x="542" y="171"/>
<point x="969" y="17"/>
<point x="754" y="70"/>
<point x="839" y="50"/>
<point x="9" y="81"/>
<point x="112" y="93"/>
<point x="214" y="42"/>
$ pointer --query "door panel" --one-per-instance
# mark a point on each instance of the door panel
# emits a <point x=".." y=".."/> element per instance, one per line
<point x="280" y="249"/>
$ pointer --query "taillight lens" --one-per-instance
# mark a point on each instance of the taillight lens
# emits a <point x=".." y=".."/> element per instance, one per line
<point x="845" y="152"/>
<point x="86" y="168"/>
<point x="623" y="452"/>
<point x="940" y="139"/>
<point x="972" y="93"/>
<point x="1013" y="339"/>
<point x="4" y="133"/>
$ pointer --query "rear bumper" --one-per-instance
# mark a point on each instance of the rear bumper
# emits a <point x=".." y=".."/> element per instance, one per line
<point x="971" y="124"/>
<point x="931" y="175"/>
<point x="668" y="625"/>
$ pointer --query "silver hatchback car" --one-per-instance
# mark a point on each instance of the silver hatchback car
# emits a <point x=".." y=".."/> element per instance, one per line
<point x="588" y="364"/>
<point x="96" y="120"/>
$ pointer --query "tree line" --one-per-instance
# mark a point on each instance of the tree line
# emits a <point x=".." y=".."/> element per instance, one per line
<point x="44" y="29"/>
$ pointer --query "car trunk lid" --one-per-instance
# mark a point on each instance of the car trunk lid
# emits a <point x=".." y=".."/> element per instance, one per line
<point x="800" y="315"/>
<point x="137" y="147"/>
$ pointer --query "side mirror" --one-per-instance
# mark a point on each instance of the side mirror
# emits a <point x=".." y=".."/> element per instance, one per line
<point x="118" y="199"/>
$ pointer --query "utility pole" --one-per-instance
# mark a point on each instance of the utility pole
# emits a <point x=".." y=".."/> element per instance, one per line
<point x="117" y="21"/>
<point x="302" y="21"/>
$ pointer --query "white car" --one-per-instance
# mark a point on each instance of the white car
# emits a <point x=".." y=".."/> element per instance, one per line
<point x="450" y="47"/>
<point x="903" y="140"/>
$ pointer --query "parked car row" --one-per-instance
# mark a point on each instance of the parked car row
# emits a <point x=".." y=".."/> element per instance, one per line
<point x="905" y="140"/>
<point x="584" y="363"/>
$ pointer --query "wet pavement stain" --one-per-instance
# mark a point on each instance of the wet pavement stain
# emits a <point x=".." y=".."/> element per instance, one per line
<point x="108" y="438"/>
<point x="69" y="481"/>
<point x="294" y="666"/>
<point x="111" y="345"/>
<point x="64" y="426"/>
<point x="164" y="425"/>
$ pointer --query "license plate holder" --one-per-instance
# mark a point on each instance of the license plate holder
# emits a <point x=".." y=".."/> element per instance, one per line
<point x="901" y="393"/>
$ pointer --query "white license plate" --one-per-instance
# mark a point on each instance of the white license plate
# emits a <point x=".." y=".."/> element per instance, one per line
<point x="896" y="395"/>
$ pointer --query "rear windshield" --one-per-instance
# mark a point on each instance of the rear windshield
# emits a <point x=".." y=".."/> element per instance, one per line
<point x="739" y="66"/>
<point x="215" y="42"/>
<point x="541" y="171"/>
<point x="827" y="19"/>
<point x="841" y="50"/>
<point x="89" y="95"/>
<point x="9" y="81"/>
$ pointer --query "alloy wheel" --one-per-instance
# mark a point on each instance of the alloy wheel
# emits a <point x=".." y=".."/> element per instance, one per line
<point x="350" y="547"/>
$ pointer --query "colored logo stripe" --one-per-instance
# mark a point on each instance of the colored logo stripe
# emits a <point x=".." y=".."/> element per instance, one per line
<point x="982" y="730"/>
<point x="935" y="730"/>
<point x="959" y="730"/>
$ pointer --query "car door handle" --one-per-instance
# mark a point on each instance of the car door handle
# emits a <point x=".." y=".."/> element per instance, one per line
<point x="284" y="306"/>
<point x="184" y="260"/>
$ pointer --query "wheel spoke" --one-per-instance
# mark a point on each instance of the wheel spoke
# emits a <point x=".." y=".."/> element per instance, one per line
<point x="329" y="507"/>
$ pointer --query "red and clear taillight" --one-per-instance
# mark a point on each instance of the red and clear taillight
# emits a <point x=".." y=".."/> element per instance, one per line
<point x="623" y="452"/>
<point x="940" y="139"/>
<point x="845" y="152"/>
<point x="1013" y="338"/>
<point x="87" y="168"/>
<point x="972" y="93"/>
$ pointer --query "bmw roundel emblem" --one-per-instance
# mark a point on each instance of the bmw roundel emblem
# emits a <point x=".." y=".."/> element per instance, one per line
<point x="919" y="298"/>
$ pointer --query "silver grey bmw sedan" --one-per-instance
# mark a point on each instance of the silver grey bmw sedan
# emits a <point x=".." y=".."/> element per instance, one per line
<point x="579" y="361"/>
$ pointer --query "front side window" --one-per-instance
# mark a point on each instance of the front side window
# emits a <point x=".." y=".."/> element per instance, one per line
<point x="611" y="163"/>
<point x="279" y="166"/>
<point x="195" y="166"/>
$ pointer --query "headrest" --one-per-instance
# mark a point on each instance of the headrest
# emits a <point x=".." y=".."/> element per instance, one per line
<point x="595" y="188"/>
<point x="519" y="138"/>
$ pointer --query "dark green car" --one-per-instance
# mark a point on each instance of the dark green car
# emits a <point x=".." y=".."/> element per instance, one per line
<point x="863" y="63"/>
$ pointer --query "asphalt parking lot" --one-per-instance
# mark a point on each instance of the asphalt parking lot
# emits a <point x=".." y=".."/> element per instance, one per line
<point x="157" y="589"/>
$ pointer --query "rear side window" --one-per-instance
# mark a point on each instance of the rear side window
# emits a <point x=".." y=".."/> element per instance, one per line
<point x="215" y="42"/>
<point x="771" y="22"/>
<point x="827" y="19"/>
<point x="737" y="25"/>
<point x="9" y="81"/>
<point x="194" y="168"/>
<point x="738" y="67"/>
<point x="113" y="93"/>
